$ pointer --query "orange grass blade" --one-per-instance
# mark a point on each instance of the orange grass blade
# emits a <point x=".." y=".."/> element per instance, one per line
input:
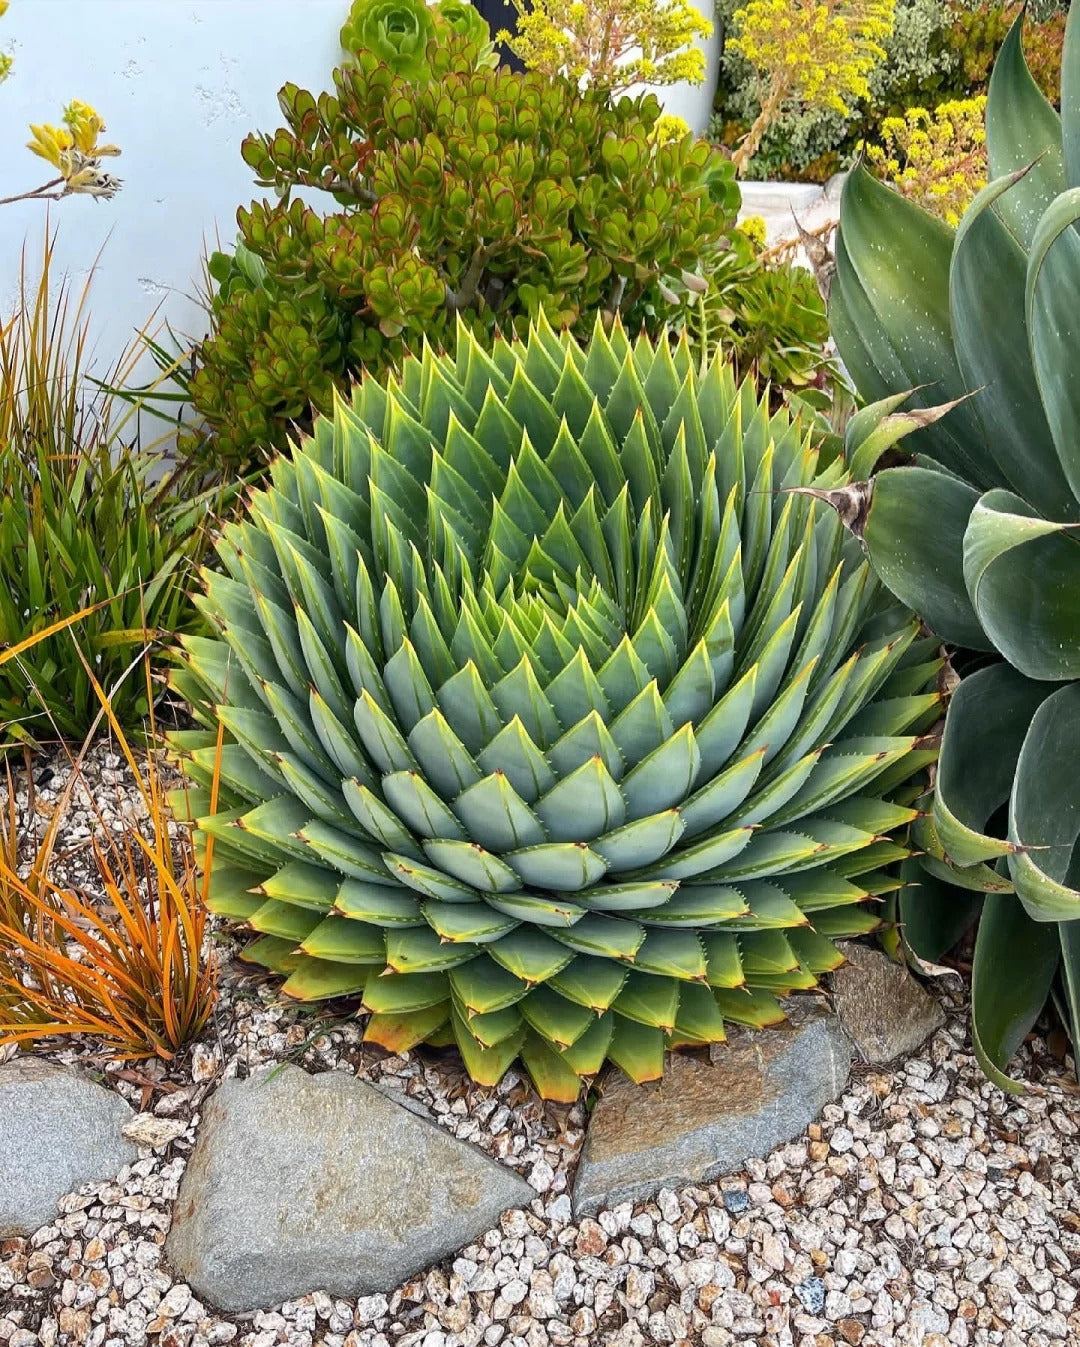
<point x="126" y="967"/>
<point x="11" y="652"/>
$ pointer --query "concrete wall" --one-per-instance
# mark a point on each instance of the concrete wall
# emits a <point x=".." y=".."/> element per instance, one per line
<point x="179" y="83"/>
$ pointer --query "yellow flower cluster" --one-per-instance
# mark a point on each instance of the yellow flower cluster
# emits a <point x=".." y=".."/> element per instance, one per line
<point x="753" y="226"/>
<point x="937" y="158"/>
<point x="819" y="51"/>
<point x="808" y="54"/>
<point x="611" y="45"/>
<point x="669" y="128"/>
<point x="74" y="150"/>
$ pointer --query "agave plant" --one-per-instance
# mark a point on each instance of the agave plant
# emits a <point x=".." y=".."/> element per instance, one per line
<point x="979" y="533"/>
<point x="562" y="724"/>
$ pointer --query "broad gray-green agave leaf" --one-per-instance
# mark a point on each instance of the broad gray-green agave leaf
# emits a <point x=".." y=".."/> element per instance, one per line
<point x="558" y="725"/>
<point x="980" y="534"/>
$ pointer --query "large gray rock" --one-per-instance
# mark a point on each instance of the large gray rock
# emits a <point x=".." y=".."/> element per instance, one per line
<point x="885" y="1012"/>
<point x="302" y="1183"/>
<point x="58" y="1130"/>
<point x="704" y="1120"/>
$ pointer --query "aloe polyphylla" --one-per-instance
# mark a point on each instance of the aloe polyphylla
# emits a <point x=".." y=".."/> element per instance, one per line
<point x="564" y="724"/>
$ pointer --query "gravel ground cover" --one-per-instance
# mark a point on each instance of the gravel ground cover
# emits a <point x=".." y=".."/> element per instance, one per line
<point x="925" y="1208"/>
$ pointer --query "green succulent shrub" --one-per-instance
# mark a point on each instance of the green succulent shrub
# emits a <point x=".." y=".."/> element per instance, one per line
<point x="978" y="534"/>
<point x="464" y="191"/>
<point x="560" y="722"/>
<point x="768" y="318"/>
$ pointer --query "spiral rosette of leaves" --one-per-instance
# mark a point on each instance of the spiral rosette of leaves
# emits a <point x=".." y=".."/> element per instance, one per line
<point x="561" y="724"/>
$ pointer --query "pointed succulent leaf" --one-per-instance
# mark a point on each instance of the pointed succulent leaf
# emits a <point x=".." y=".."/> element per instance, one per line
<point x="1021" y="573"/>
<point x="554" y="1077"/>
<point x="903" y="343"/>
<point x="987" y="294"/>
<point x="398" y="1033"/>
<point x="1022" y="132"/>
<point x="993" y="706"/>
<point x="340" y="940"/>
<point x="1014" y="964"/>
<point x="637" y="1049"/>
<point x="1044" y="811"/>
<point x="937" y="508"/>
<point x="590" y="981"/>
<point x="317" y="979"/>
<point x="487" y="1066"/>
<point x="566" y="867"/>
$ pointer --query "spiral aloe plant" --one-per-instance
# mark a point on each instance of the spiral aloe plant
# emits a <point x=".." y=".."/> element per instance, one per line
<point x="979" y="533"/>
<point x="560" y="723"/>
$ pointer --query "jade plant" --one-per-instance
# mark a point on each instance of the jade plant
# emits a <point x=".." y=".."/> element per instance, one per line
<point x="462" y="192"/>
<point x="560" y="723"/>
<point x="979" y="533"/>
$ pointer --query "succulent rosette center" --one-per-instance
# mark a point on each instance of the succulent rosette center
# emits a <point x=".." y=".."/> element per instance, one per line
<point x="397" y="31"/>
<point x="558" y="725"/>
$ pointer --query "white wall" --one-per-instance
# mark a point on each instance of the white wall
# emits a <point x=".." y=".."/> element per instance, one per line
<point x="694" y="102"/>
<point x="179" y="83"/>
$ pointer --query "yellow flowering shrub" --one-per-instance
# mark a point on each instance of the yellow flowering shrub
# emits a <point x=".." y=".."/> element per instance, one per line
<point x="808" y="54"/>
<point x="73" y="148"/>
<point x="668" y="128"/>
<point x="610" y="45"/>
<point x="937" y="158"/>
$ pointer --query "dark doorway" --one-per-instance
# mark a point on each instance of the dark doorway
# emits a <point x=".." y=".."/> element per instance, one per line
<point x="501" y="14"/>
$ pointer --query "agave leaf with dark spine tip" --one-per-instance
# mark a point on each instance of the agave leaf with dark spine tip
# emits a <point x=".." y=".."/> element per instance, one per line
<point x="906" y="347"/>
<point x="575" y="676"/>
<point x="930" y="578"/>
